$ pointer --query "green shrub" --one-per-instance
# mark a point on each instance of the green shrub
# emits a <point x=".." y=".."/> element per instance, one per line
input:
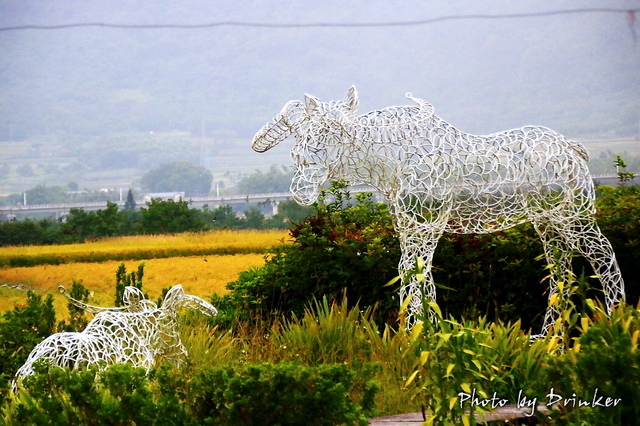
<point x="604" y="361"/>
<point x="120" y="395"/>
<point x="286" y="394"/>
<point x="21" y="329"/>
<point x="458" y="361"/>
<point x="618" y="215"/>
<point x="280" y="394"/>
<point x="341" y="246"/>
<point x="29" y="231"/>
<point x="329" y="333"/>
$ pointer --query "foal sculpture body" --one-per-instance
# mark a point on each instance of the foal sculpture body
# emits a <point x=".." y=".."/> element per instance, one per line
<point x="137" y="334"/>
<point x="439" y="179"/>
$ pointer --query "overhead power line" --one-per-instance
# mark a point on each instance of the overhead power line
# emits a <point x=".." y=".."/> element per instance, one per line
<point x="630" y="12"/>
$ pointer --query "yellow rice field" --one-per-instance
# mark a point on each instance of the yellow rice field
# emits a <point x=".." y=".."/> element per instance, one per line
<point x="200" y="275"/>
<point x="191" y="243"/>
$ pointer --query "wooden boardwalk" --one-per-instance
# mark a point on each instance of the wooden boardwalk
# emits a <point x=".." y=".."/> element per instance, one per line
<point x="507" y="413"/>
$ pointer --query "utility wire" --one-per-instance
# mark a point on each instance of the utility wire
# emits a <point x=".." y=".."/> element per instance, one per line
<point x="630" y="12"/>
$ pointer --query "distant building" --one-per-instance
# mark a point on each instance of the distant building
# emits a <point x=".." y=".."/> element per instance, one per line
<point x="164" y="196"/>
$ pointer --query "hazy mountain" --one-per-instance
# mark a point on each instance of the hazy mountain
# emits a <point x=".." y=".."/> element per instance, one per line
<point x="106" y="93"/>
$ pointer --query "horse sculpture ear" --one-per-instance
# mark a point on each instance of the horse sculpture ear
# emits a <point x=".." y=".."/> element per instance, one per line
<point x="351" y="99"/>
<point x="173" y="297"/>
<point x="311" y="103"/>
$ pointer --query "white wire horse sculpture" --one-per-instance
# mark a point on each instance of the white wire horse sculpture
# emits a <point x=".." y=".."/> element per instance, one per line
<point x="137" y="333"/>
<point x="439" y="179"/>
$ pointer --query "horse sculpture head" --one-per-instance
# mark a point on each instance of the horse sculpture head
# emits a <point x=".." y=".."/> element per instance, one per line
<point x="176" y="298"/>
<point x="319" y="130"/>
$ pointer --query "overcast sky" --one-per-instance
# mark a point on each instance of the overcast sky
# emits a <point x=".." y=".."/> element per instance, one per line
<point x="575" y="72"/>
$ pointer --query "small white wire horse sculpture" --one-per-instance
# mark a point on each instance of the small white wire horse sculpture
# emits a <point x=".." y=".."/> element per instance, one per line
<point x="439" y="179"/>
<point x="137" y="333"/>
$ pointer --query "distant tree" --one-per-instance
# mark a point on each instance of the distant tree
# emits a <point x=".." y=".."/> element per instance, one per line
<point x="254" y="219"/>
<point x="29" y="231"/>
<point x="292" y="212"/>
<point x="222" y="217"/>
<point x="178" y="176"/>
<point x="73" y="186"/>
<point x="81" y="225"/>
<point x="43" y="194"/>
<point x="130" y="204"/>
<point x="163" y="217"/>
<point x="277" y="179"/>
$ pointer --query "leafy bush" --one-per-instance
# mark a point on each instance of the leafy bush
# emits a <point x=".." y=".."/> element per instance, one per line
<point x="30" y="232"/>
<point x="618" y="215"/>
<point x="493" y="275"/>
<point x="285" y="394"/>
<point x="604" y="361"/>
<point x="457" y="361"/>
<point x="340" y="246"/>
<point x="20" y="330"/>
<point x="163" y="217"/>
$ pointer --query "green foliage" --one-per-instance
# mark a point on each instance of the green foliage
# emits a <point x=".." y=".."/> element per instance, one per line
<point x="289" y="212"/>
<point x="130" y="204"/>
<point x="20" y="330"/>
<point x="328" y="333"/>
<point x="77" y="320"/>
<point x="181" y="176"/>
<point x="163" y="217"/>
<point x="277" y="179"/>
<point x="473" y="358"/>
<point x="30" y="232"/>
<point x="262" y="394"/>
<point x="350" y="246"/>
<point x="286" y="394"/>
<point x="623" y="175"/>
<point x="603" y="362"/>
<point x="81" y="225"/>
<point x="222" y="217"/>
<point x="117" y="396"/>
<point x="493" y="275"/>
<point x="618" y="216"/>
<point x="133" y="279"/>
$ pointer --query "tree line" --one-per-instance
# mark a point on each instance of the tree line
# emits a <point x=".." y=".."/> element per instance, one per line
<point x="158" y="217"/>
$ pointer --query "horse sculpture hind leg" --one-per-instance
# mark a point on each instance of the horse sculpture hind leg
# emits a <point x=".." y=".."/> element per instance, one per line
<point x="584" y="236"/>
<point x="578" y="232"/>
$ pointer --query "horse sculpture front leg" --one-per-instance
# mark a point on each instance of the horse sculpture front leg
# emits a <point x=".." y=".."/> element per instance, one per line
<point x="558" y="257"/>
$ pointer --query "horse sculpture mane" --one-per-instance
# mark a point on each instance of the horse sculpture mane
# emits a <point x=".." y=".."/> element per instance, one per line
<point x="439" y="179"/>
